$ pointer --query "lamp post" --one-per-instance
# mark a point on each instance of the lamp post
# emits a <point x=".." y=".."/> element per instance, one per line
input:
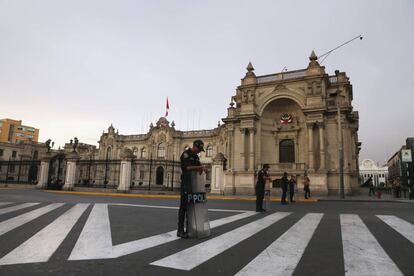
<point x="341" y="152"/>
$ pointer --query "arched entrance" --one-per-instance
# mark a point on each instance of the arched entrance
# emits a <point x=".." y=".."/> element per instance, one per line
<point x="160" y="176"/>
<point x="283" y="136"/>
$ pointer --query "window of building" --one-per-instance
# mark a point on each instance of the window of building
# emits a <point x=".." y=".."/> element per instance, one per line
<point x="143" y="153"/>
<point x="20" y="128"/>
<point x="141" y="174"/>
<point x="1" y="152"/>
<point x="161" y="150"/>
<point x="108" y="153"/>
<point x="135" y="152"/>
<point x="14" y="154"/>
<point x="209" y="151"/>
<point x="30" y="129"/>
<point x="287" y="151"/>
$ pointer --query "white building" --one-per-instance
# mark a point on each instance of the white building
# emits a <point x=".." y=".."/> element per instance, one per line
<point x="368" y="169"/>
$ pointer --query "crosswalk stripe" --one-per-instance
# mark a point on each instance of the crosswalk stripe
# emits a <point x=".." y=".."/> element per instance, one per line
<point x="95" y="241"/>
<point x="401" y="226"/>
<point x="5" y="203"/>
<point x="17" y="207"/>
<point x="200" y="253"/>
<point x="10" y="224"/>
<point x="363" y="255"/>
<point x="139" y="245"/>
<point x="284" y="254"/>
<point x="35" y="250"/>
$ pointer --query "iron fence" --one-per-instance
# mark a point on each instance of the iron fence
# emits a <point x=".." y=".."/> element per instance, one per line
<point x="98" y="173"/>
<point x="20" y="171"/>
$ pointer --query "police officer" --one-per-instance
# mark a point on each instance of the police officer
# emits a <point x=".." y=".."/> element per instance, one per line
<point x="284" y="183"/>
<point x="189" y="162"/>
<point x="260" y="187"/>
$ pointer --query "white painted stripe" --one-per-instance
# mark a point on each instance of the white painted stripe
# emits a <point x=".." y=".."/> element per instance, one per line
<point x="284" y="254"/>
<point x="363" y="255"/>
<point x="17" y="207"/>
<point x="401" y="226"/>
<point x="10" y="224"/>
<point x="95" y="241"/>
<point x="5" y="203"/>
<point x="200" y="253"/>
<point x="44" y="243"/>
<point x="142" y="244"/>
<point x="176" y="208"/>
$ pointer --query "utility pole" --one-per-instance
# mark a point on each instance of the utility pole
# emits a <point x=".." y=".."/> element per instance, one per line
<point x="341" y="153"/>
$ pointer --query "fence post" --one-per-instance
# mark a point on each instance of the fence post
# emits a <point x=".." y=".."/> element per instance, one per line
<point x="44" y="171"/>
<point x="125" y="174"/>
<point x="70" y="178"/>
<point x="217" y="174"/>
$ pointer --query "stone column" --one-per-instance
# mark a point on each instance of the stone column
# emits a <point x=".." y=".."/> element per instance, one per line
<point x="125" y="174"/>
<point x="321" y="146"/>
<point x="243" y="152"/>
<point x="44" y="171"/>
<point x="251" y="163"/>
<point x="217" y="174"/>
<point x="310" y="141"/>
<point x="70" y="179"/>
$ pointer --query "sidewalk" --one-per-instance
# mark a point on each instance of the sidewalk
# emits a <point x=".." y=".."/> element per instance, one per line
<point x="362" y="197"/>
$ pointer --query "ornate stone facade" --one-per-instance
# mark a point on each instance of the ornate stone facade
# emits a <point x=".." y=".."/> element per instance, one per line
<point x="288" y="119"/>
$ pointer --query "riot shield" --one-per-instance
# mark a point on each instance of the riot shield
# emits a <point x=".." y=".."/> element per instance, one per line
<point x="198" y="223"/>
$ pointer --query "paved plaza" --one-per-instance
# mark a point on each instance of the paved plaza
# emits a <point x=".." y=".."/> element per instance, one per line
<point x="45" y="233"/>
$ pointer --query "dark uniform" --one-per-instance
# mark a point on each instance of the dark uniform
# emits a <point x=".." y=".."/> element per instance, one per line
<point x="260" y="189"/>
<point x="188" y="158"/>
<point x="284" y="183"/>
<point x="292" y="184"/>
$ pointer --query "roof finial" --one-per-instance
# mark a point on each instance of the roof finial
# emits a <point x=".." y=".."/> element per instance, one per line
<point x="313" y="56"/>
<point x="249" y="67"/>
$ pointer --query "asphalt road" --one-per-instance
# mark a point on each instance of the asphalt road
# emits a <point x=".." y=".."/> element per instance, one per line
<point x="49" y="234"/>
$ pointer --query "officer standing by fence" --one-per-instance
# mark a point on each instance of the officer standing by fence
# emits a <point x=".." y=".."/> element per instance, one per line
<point x="189" y="162"/>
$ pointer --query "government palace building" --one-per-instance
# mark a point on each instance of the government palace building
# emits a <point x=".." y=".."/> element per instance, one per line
<point x="295" y="121"/>
<point x="288" y="120"/>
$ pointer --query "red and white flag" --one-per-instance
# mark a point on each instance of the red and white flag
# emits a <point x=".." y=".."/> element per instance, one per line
<point x="167" y="108"/>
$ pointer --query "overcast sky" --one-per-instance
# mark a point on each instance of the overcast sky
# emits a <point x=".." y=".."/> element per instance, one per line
<point x="71" y="68"/>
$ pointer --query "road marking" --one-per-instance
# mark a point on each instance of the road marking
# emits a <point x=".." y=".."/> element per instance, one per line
<point x="5" y="203"/>
<point x="363" y="255"/>
<point x="17" y="207"/>
<point x="44" y="243"/>
<point x="10" y="224"/>
<point x="200" y="253"/>
<point x="284" y="254"/>
<point x="176" y="208"/>
<point x="401" y="226"/>
<point x="95" y="241"/>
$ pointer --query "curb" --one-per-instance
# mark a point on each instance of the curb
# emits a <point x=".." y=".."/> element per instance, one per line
<point x="168" y="196"/>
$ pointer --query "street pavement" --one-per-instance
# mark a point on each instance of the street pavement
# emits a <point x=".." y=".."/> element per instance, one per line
<point x="45" y="233"/>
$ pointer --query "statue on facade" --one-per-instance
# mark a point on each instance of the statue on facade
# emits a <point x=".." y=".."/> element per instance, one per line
<point x="74" y="143"/>
<point x="49" y="144"/>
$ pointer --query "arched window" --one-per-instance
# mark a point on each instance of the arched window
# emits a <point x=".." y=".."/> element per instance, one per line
<point x="135" y="152"/>
<point x="209" y="151"/>
<point x="108" y="153"/>
<point x="35" y="155"/>
<point x="287" y="151"/>
<point x="143" y="153"/>
<point x="161" y="150"/>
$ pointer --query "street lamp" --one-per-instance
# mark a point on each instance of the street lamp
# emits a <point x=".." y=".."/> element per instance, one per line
<point x="340" y="149"/>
